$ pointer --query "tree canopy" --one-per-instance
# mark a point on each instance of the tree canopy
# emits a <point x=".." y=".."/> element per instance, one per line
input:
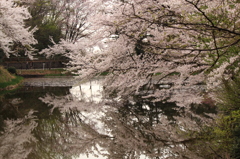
<point x="12" y="28"/>
<point x="144" y="43"/>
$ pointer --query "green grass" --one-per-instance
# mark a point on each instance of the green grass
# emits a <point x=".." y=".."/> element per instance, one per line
<point x="7" y="79"/>
<point x="5" y="76"/>
<point x="14" y="81"/>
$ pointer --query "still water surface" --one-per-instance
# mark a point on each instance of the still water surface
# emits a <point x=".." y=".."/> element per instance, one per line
<point x="52" y="121"/>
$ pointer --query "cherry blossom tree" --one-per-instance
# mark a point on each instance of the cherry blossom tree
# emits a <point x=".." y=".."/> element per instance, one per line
<point x="12" y="28"/>
<point x="143" y="44"/>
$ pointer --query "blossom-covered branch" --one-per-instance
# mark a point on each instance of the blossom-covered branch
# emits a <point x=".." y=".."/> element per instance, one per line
<point x="146" y="43"/>
<point x="12" y="27"/>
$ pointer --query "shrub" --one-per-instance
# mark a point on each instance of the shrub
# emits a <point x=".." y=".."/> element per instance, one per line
<point x="12" y="70"/>
<point x="228" y="128"/>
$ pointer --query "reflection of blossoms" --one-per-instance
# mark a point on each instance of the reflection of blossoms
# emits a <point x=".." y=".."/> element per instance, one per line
<point x="125" y="128"/>
<point x="89" y="92"/>
<point x="85" y="97"/>
<point x="17" y="137"/>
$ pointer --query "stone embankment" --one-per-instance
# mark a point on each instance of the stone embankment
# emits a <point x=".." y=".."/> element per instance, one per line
<point x="50" y="81"/>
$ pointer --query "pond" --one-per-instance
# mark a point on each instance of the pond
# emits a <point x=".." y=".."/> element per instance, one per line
<point x="49" y="120"/>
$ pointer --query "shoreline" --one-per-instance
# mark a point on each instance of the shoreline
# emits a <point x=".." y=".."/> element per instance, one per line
<point x="59" y="71"/>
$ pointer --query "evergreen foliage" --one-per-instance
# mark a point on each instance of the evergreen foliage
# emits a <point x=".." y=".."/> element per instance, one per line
<point x="227" y="130"/>
<point x="12" y="70"/>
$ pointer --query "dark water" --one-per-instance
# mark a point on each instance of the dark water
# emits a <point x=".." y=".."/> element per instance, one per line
<point x="58" y="123"/>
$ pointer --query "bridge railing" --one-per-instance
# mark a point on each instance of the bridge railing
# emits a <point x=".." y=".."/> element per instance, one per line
<point x="19" y="59"/>
<point x="37" y="63"/>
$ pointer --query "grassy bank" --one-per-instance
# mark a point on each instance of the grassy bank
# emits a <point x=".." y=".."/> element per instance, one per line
<point x="7" y="80"/>
<point x="14" y="81"/>
<point x="5" y="76"/>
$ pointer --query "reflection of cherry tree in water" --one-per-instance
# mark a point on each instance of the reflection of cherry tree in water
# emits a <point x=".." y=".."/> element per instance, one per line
<point x="115" y="128"/>
<point x="66" y="135"/>
<point x="151" y="129"/>
<point x="21" y="114"/>
<point x="17" y="138"/>
<point x="124" y="129"/>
